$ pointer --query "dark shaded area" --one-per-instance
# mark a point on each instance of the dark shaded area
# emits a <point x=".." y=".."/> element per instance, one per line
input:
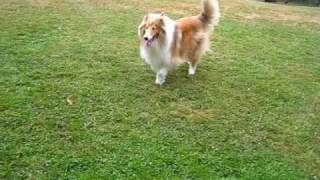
<point x="306" y="2"/>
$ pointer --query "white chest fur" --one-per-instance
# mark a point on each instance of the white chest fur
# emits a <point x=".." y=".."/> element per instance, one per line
<point x="156" y="56"/>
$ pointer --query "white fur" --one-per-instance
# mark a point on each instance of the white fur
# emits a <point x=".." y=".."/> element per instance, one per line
<point x="159" y="56"/>
<point x="192" y="69"/>
<point x="161" y="76"/>
<point x="214" y="5"/>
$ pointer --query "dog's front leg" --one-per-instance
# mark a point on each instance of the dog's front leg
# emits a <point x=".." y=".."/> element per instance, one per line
<point x="161" y="76"/>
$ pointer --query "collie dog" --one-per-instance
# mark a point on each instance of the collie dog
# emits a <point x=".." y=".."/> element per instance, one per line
<point x="165" y="43"/>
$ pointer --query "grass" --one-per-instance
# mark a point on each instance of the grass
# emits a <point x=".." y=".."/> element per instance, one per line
<point x="76" y="101"/>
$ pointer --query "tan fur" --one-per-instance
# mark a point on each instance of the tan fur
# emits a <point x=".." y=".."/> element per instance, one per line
<point x="194" y="40"/>
<point x="166" y="43"/>
<point x="155" y="26"/>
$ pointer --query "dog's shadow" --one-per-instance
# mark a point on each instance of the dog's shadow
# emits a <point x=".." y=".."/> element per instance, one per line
<point x="179" y="78"/>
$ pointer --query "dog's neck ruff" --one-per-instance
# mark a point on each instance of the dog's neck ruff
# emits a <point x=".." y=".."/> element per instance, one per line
<point x="159" y="54"/>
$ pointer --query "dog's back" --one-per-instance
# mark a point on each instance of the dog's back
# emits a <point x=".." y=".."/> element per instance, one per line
<point x="165" y="43"/>
<point x="195" y="32"/>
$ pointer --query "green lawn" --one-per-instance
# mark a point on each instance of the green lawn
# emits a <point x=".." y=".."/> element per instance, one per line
<point x="76" y="101"/>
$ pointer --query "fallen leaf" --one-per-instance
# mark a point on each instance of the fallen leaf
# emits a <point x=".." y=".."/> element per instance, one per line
<point x="69" y="100"/>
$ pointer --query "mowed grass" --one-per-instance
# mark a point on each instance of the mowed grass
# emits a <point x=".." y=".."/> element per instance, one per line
<point x="76" y="101"/>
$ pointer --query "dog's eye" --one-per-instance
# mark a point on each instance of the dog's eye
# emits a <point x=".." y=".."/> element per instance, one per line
<point x="153" y="28"/>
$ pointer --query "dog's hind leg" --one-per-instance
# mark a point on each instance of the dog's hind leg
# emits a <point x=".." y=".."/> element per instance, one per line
<point x="193" y="67"/>
<point x="200" y="45"/>
<point x="193" y="64"/>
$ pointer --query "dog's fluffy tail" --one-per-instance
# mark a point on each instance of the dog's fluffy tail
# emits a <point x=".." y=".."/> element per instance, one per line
<point x="211" y="12"/>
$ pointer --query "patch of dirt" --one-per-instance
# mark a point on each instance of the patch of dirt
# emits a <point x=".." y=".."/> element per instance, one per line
<point x="145" y="5"/>
<point x="38" y="3"/>
<point x="283" y="16"/>
<point x="196" y="114"/>
<point x="250" y="10"/>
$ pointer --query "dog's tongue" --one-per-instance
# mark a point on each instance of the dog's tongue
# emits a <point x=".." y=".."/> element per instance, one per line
<point x="148" y="43"/>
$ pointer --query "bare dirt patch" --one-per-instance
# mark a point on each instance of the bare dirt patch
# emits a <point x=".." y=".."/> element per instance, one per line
<point x="249" y="10"/>
<point x="241" y="10"/>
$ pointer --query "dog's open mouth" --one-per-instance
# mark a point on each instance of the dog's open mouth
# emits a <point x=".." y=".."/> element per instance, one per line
<point x="149" y="42"/>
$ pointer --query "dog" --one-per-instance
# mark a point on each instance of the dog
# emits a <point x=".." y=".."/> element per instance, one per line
<point x="165" y="43"/>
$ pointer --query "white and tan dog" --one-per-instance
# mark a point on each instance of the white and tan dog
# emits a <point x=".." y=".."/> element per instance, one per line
<point x="165" y="43"/>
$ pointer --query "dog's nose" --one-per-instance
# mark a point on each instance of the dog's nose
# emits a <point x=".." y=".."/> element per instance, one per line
<point x="146" y="38"/>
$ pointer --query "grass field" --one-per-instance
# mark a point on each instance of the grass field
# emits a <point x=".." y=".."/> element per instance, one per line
<point x="76" y="101"/>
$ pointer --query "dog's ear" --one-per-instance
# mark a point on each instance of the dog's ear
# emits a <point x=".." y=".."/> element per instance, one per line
<point x="145" y="19"/>
<point x="161" y="21"/>
<point x="162" y="24"/>
<point x="141" y="29"/>
<point x="162" y="14"/>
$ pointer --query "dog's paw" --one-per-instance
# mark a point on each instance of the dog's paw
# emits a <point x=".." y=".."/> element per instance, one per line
<point x="161" y="76"/>
<point x="192" y="71"/>
<point x="160" y="81"/>
<point x="209" y="52"/>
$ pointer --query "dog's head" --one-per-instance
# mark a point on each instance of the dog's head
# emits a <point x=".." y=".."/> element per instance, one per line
<point x="152" y="29"/>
